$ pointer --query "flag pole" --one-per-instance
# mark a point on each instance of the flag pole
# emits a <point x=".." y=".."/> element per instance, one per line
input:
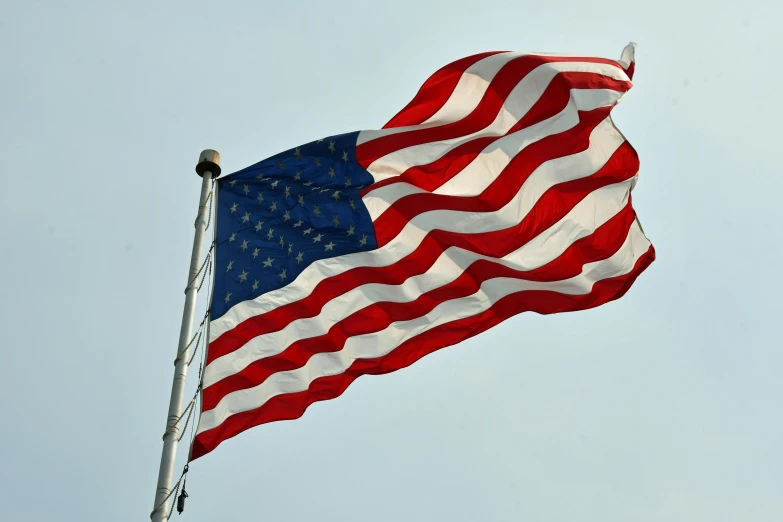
<point x="208" y="167"/>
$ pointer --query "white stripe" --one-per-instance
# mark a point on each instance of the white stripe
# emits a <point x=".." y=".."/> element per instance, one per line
<point x="627" y="57"/>
<point x="604" y="141"/>
<point x="483" y="170"/>
<point x="589" y="214"/>
<point x="464" y="98"/>
<point x="487" y="165"/>
<point x="471" y="87"/>
<point x="378" y="344"/>
<point x="519" y="101"/>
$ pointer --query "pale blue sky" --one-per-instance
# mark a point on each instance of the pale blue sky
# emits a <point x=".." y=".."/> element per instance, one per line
<point x="663" y="406"/>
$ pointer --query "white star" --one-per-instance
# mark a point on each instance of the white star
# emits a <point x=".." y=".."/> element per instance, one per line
<point x="301" y="200"/>
<point x="324" y="190"/>
<point x="347" y="182"/>
<point x="297" y="176"/>
<point x="273" y="206"/>
<point x="336" y="221"/>
<point x="271" y="233"/>
<point x="319" y="141"/>
<point x="329" y="246"/>
<point x="255" y="284"/>
<point x="268" y="262"/>
<point x="274" y="183"/>
<point x="243" y="276"/>
<point x="259" y="226"/>
<point x="281" y="166"/>
<point x="363" y="240"/>
<point x="244" y="245"/>
<point x="288" y="192"/>
<point x="317" y="162"/>
<point x="233" y="208"/>
<point x="298" y="153"/>
<point x="331" y="172"/>
<point x="282" y="242"/>
<point x="260" y="197"/>
<point x="246" y="190"/>
<point x="282" y="275"/>
<point x="246" y="217"/>
<point x="290" y="246"/>
<point x="307" y="231"/>
<point x="336" y="195"/>
<point x="298" y="223"/>
<point x="352" y="205"/>
<point x="286" y="216"/>
<point x="232" y="182"/>
<point x="299" y="258"/>
<point x="345" y="156"/>
<point x="351" y="230"/>
<point x="255" y="253"/>
<point x="260" y="175"/>
<point x="307" y="184"/>
<point x="317" y="238"/>
<point x="230" y="265"/>
<point x="317" y="211"/>
<point x="331" y="146"/>
<point x="232" y="237"/>
<point x="228" y="297"/>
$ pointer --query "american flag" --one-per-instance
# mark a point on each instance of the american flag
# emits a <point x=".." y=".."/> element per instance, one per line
<point x="503" y="187"/>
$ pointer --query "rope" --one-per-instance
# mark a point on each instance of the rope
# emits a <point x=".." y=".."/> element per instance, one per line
<point x="186" y="410"/>
<point x="198" y="333"/>
<point x="185" y="427"/>
<point x="208" y="271"/>
<point x="172" y="492"/>
<point x="193" y="426"/>
<point x="202" y="207"/>
<point x="209" y="213"/>
<point x="195" y="351"/>
<point x="174" y="424"/>
<point x="197" y="338"/>
<point x="206" y="260"/>
<point x="171" y="510"/>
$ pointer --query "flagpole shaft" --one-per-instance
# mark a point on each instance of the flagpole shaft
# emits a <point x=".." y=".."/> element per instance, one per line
<point x="209" y="168"/>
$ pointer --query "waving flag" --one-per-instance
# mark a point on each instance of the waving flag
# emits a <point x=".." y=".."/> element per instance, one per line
<point x="503" y="187"/>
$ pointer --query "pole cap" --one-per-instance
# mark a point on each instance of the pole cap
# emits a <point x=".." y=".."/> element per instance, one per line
<point x="208" y="160"/>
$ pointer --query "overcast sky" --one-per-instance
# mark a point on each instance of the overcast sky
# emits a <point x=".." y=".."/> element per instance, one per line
<point x="663" y="406"/>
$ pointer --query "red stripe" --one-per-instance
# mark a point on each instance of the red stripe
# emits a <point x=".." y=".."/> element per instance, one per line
<point x="630" y="70"/>
<point x="554" y="99"/>
<point x="601" y="245"/>
<point x="483" y="115"/>
<point x="556" y="202"/>
<point x="293" y="405"/>
<point x="435" y="92"/>
<point x="502" y="190"/>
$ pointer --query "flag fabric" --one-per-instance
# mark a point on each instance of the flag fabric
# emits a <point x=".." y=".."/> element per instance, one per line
<point x="503" y="187"/>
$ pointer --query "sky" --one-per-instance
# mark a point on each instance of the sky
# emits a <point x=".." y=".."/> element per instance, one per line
<point x="664" y="405"/>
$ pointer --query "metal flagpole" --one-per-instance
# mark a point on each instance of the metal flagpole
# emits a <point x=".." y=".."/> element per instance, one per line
<point x="208" y="167"/>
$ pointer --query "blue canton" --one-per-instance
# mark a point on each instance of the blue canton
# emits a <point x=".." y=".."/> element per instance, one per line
<point x="280" y="215"/>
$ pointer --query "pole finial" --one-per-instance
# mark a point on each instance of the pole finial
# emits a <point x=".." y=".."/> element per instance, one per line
<point x="208" y="160"/>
